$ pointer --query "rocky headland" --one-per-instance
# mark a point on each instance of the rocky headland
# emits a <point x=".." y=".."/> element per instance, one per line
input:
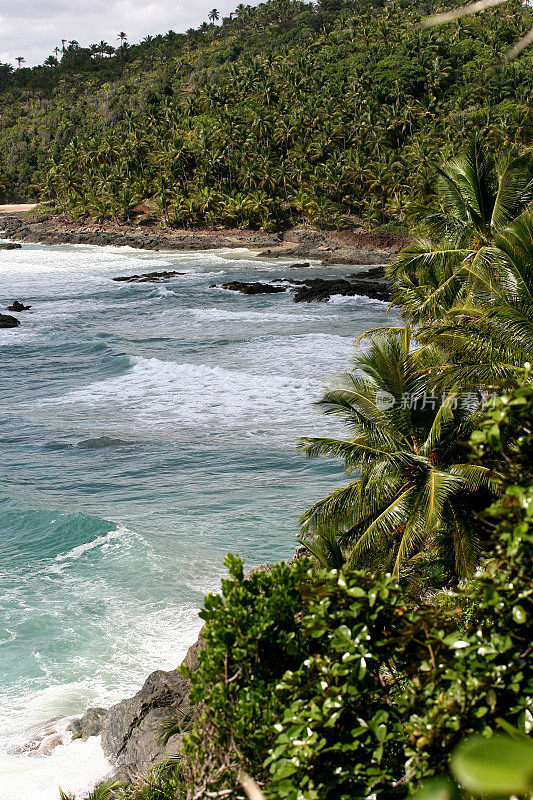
<point x="358" y="247"/>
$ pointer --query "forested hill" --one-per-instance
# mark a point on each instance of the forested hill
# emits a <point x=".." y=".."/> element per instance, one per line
<point x="280" y="113"/>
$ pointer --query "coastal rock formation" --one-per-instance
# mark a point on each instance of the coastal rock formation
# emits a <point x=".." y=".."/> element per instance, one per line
<point x="132" y="730"/>
<point x="18" y="306"/>
<point x="10" y="246"/>
<point x="7" y="321"/>
<point x="370" y="283"/>
<point x="91" y="724"/>
<point x="359" y="246"/>
<point x="149" y="277"/>
<point x="253" y="288"/>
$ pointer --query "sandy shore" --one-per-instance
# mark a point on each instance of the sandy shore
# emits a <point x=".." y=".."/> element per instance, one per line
<point x="357" y="247"/>
<point x="17" y="208"/>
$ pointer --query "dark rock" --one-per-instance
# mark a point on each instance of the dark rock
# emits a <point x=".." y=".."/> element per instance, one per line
<point x="253" y="288"/>
<point x="10" y="246"/>
<point x="17" y="306"/>
<point x="6" y="321"/>
<point x="132" y="729"/>
<point x="191" y="659"/>
<point x="91" y="724"/>
<point x="149" y="277"/>
<point x="302" y="265"/>
<point x="321" y="289"/>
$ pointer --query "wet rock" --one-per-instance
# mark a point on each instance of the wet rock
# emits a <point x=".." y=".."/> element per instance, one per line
<point x="253" y="288"/>
<point x="17" y="306"/>
<point x="132" y="730"/>
<point x="10" y="246"/>
<point x="368" y="283"/>
<point x="7" y="321"/>
<point x="49" y="744"/>
<point x="301" y="265"/>
<point x="149" y="277"/>
<point x="43" y="737"/>
<point x="91" y="724"/>
<point x="320" y="289"/>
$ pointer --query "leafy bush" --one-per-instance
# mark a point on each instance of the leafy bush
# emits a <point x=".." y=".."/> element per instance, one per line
<point x="353" y="688"/>
<point x="253" y="636"/>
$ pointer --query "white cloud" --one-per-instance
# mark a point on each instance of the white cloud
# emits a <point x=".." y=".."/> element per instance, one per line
<point x="32" y="28"/>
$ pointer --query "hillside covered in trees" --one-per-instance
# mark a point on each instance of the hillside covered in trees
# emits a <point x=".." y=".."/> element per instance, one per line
<point x="281" y="113"/>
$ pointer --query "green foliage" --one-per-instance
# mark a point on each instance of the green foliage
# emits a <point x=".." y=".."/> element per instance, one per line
<point x="496" y="767"/>
<point x="253" y="636"/>
<point x="353" y="688"/>
<point x="409" y="510"/>
<point x="163" y="782"/>
<point x="286" y="112"/>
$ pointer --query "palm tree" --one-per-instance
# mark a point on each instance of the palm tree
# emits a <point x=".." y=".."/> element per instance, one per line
<point x="213" y="15"/>
<point x="475" y="201"/>
<point x="488" y="337"/>
<point x="473" y="8"/>
<point x="20" y="60"/>
<point x="57" y="51"/>
<point x="122" y="36"/>
<point x="415" y="492"/>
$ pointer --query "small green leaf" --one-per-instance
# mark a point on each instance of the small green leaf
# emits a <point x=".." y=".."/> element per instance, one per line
<point x="519" y="615"/>
<point x="436" y="789"/>
<point x="496" y="766"/>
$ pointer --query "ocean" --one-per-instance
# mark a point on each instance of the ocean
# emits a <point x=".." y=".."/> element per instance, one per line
<point x="145" y="431"/>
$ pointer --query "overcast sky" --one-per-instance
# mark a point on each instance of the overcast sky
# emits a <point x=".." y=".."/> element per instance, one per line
<point x="32" y="28"/>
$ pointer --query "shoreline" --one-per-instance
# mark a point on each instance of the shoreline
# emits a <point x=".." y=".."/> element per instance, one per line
<point x="356" y="248"/>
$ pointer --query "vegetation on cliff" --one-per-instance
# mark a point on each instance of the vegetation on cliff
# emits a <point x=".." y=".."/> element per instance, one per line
<point x="282" y="113"/>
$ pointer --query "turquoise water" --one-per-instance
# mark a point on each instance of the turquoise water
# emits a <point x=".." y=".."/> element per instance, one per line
<point x="145" y="431"/>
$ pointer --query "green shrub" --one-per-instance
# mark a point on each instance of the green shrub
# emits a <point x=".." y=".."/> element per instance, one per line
<point x="253" y="636"/>
<point x="349" y="687"/>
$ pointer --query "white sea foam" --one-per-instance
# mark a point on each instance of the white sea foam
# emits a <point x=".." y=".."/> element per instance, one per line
<point x="260" y="316"/>
<point x="166" y="395"/>
<point x="101" y="541"/>
<point x="356" y="300"/>
<point x="76" y="767"/>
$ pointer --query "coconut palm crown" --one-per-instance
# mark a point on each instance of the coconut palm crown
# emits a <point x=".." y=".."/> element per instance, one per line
<point x="414" y="493"/>
<point x="487" y="336"/>
<point x="476" y="201"/>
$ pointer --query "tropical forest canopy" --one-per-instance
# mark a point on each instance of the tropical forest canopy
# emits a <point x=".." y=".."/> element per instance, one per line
<point x="281" y="113"/>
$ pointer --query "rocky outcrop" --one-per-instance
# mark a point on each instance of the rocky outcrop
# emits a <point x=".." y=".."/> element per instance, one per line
<point x="245" y="287"/>
<point x="131" y="729"/>
<point x="7" y="321"/>
<point x="149" y="277"/>
<point x="370" y="283"/>
<point x="91" y="724"/>
<point x="131" y="734"/>
<point x="18" y="306"/>
<point x="9" y="246"/>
